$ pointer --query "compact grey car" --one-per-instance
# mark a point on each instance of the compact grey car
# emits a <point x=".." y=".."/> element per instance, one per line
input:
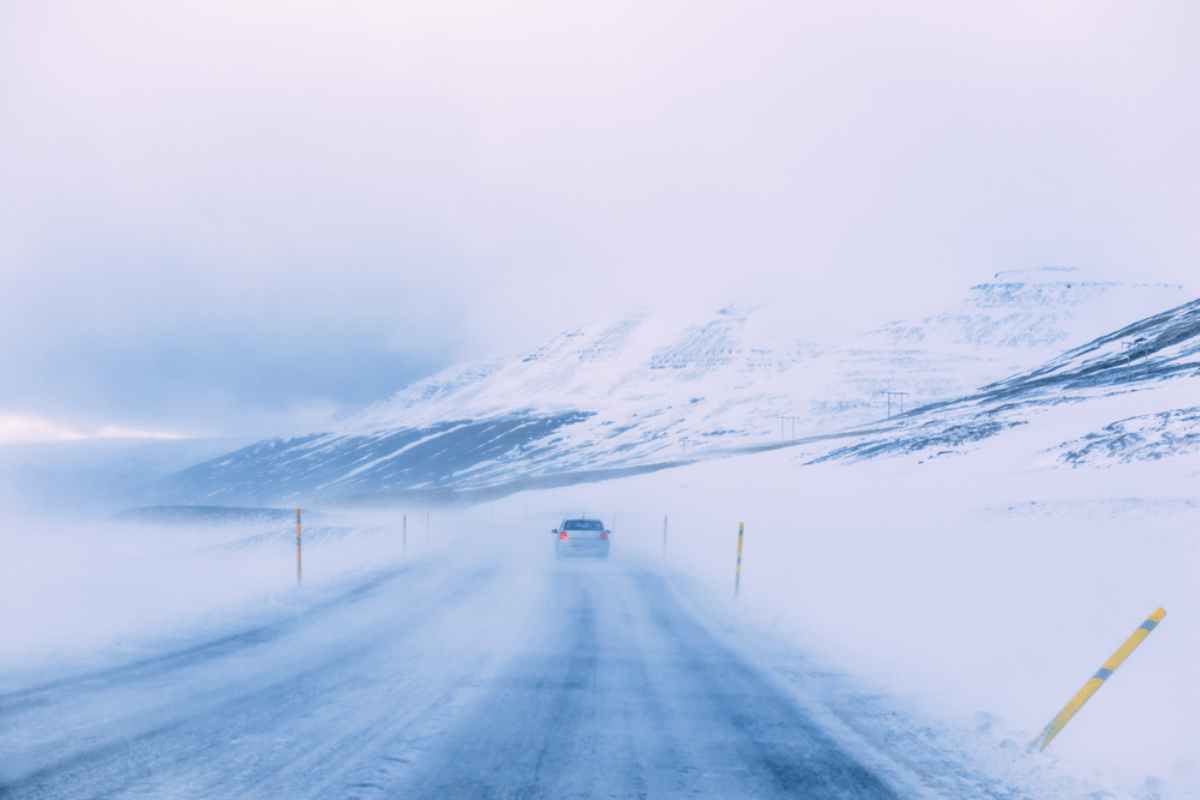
<point x="582" y="537"/>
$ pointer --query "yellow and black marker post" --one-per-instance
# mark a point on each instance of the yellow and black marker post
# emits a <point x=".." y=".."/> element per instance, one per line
<point x="299" y="566"/>
<point x="737" y="576"/>
<point x="1096" y="681"/>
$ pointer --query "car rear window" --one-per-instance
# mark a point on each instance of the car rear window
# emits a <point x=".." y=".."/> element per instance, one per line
<point x="583" y="525"/>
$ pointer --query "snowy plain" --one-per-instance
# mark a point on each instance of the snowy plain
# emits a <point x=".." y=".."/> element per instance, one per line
<point x="935" y="603"/>
<point x="957" y="608"/>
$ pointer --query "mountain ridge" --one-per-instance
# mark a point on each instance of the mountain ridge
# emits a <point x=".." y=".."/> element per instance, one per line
<point x="640" y="391"/>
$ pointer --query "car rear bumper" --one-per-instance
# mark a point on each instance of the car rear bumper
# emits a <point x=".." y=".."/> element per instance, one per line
<point x="582" y="549"/>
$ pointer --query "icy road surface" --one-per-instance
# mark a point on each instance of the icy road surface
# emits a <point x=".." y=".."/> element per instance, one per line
<point x="519" y="678"/>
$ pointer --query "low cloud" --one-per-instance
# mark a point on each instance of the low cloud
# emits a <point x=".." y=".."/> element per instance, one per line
<point x="252" y="217"/>
<point x="23" y="429"/>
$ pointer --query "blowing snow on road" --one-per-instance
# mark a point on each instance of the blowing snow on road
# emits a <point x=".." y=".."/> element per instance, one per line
<point x="517" y="679"/>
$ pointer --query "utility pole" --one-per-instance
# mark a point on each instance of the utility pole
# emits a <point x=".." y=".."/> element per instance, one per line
<point x="899" y="398"/>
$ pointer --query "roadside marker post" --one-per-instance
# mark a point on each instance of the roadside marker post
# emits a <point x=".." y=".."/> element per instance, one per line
<point x="664" y="550"/>
<point x="404" y="537"/>
<point x="737" y="576"/>
<point x="1096" y="681"/>
<point x="299" y="563"/>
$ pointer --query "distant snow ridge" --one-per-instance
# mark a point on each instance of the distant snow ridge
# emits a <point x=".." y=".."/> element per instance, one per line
<point x="643" y="392"/>
<point x="1151" y="362"/>
<point x="383" y="464"/>
<point x="1034" y="308"/>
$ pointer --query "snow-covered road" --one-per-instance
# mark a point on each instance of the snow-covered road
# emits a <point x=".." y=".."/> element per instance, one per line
<point x="511" y="677"/>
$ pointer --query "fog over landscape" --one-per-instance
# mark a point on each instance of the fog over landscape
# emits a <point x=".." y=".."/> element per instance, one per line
<point x="646" y="400"/>
<point x="322" y="187"/>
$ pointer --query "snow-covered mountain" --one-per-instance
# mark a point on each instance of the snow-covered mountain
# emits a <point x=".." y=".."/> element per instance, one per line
<point x="1130" y="395"/>
<point x="643" y="392"/>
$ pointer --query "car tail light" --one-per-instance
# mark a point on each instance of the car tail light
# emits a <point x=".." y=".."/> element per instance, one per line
<point x="562" y="536"/>
<point x="604" y="534"/>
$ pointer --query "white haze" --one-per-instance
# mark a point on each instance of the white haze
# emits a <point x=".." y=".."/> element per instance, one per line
<point x="229" y="218"/>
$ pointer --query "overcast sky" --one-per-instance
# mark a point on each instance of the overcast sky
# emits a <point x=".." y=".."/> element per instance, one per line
<point x="233" y="217"/>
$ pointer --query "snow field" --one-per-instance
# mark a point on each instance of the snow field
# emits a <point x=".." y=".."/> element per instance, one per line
<point x="96" y="591"/>
<point x="983" y="598"/>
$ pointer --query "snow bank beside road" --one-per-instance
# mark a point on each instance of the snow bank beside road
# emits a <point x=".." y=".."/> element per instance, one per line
<point x="109" y="591"/>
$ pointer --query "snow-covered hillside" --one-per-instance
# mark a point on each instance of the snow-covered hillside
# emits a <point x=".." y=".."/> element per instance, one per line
<point x="1126" y="396"/>
<point x="644" y="392"/>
